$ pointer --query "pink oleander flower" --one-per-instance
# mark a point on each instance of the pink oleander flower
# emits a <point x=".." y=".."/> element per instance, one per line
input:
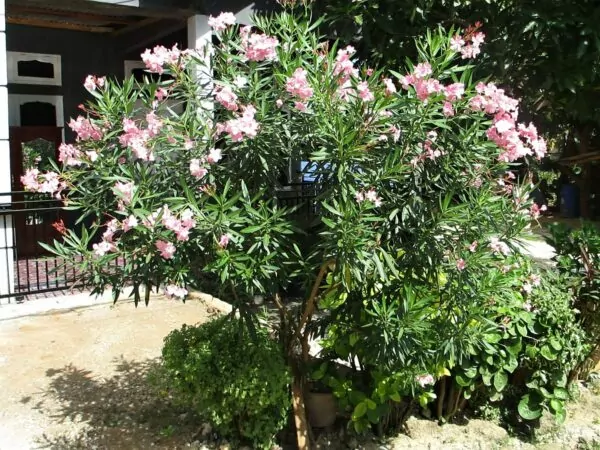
<point x="30" y="180"/>
<point x="91" y="155"/>
<point x="424" y="380"/>
<point x="454" y="91"/>
<point x="279" y="103"/>
<point x="259" y="47"/>
<point x="422" y="70"/>
<point x="222" y="21"/>
<point x="537" y="210"/>
<point x="370" y="195"/>
<point x="498" y="246"/>
<point x="298" y="86"/>
<point x="448" y="109"/>
<point x="174" y="291"/>
<point x="102" y="248"/>
<point x="364" y="92"/>
<point x="161" y="94"/>
<point x="125" y="191"/>
<point x="166" y="249"/>
<point x="527" y="288"/>
<point x="240" y="81"/>
<point x="244" y="126"/>
<point x="112" y="226"/>
<point x="85" y="129"/>
<point x="187" y="219"/>
<point x="396" y="132"/>
<point x="92" y="82"/>
<point x="390" y="88"/>
<point x="226" y="97"/>
<point x="473" y="246"/>
<point x="344" y="67"/>
<point x="196" y="169"/>
<point x="214" y="156"/>
<point x="300" y="106"/>
<point x="188" y="144"/>
<point x="461" y="264"/>
<point x="154" y="123"/>
<point x="129" y="223"/>
<point x="137" y="140"/>
<point x="159" y="56"/>
<point x="69" y="155"/>
<point x="224" y="241"/>
<point x="48" y="183"/>
<point x="369" y="72"/>
<point x="457" y="43"/>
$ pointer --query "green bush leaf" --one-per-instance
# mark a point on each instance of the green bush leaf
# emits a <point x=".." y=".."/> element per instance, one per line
<point x="500" y="380"/>
<point x="529" y="409"/>
<point x="359" y="411"/>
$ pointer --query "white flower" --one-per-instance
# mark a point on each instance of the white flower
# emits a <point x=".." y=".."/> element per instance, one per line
<point x="240" y="81"/>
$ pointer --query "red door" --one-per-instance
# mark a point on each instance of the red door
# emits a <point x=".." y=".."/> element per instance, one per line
<point x="33" y="147"/>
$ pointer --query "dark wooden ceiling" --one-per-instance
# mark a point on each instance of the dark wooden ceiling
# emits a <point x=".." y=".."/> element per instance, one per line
<point x="89" y="16"/>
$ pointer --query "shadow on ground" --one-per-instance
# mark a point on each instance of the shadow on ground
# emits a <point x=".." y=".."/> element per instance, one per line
<point x="125" y="411"/>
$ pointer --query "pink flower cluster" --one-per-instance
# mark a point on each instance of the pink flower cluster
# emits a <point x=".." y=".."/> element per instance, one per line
<point x="85" y="129"/>
<point x="224" y="240"/>
<point x="174" y="291"/>
<point x="469" y="45"/>
<point x="166" y="249"/>
<point x="370" y="195"/>
<point x="180" y="226"/>
<point x="125" y="193"/>
<point x="498" y="246"/>
<point x="536" y="210"/>
<point x="92" y="82"/>
<point x="424" y="380"/>
<point x="69" y="155"/>
<point x="160" y="56"/>
<point x="419" y="80"/>
<point x="226" y="97"/>
<point x="48" y="183"/>
<point x="390" y="87"/>
<point x="222" y="21"/>
<point x="344" y="67"/>
<point x="364" y="92"/>
<point x="515" y="140"/>
<point x="107" y="244"/>
<point x="298" y="86"/>
<point x="461" y="264"/>
<point x="130" y="223"/>
<point x="240" y="127"/>
<point x="258" y="47"/>
<point x="137" y="139"/>
<point x="428" y="151"/>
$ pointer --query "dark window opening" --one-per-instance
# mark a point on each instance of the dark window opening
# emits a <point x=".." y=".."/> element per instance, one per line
<point x="38" y="114"/>
<point x="35" y="69"/>
<point x="140" y="74"/>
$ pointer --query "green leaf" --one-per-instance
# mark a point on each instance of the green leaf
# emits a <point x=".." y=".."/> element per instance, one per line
<point x="500" y="380"/>
<point x="547" y="353"/>
<point x="561" y="393"/>
<point x="529" y="409"/>
<point x="555" y="343"/>
<point x="359" y="411"/>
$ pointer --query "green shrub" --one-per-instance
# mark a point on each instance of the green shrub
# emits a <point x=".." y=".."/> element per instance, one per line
<point x="238" y="381"/>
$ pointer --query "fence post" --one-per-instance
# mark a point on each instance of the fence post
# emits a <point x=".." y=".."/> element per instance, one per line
<point x="7" y="269"/>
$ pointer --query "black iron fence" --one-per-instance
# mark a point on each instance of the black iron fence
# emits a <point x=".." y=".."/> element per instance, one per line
<point x="29" y="271"/>
<point x="26" y="268"/>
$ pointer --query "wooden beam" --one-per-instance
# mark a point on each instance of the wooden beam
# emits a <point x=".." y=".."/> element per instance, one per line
<point x="136" y="26"/>
<point x="23" y="10"/>
<point x="136" y="42"/>
<point x="102" y="8"/>
<point x="56" y="24"/>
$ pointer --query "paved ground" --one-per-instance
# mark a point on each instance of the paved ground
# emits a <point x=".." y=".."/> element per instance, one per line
<point x="76" y="378"/>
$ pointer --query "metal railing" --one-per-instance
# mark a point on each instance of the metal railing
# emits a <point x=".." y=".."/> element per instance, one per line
<point x="28" y="270"/>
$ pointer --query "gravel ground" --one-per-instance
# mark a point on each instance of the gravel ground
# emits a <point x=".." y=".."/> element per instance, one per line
<point x="77" y="378"/>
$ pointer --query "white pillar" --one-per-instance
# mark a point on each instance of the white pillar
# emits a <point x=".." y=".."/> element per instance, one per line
<point x="7" y="268"/>
<point x="200" y="39"/>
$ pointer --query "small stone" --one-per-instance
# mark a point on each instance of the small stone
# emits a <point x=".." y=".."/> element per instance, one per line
<point x="205" y="430"/>
<point x="225" y="446"/>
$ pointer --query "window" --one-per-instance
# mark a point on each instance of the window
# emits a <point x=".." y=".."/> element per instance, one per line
<point x="34" y="68"/>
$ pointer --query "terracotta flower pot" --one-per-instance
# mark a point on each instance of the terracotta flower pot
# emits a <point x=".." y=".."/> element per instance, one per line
<point x="321" y="408"/>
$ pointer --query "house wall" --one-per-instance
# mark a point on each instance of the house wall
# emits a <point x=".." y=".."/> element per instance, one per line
<point x="81" y="53"/>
